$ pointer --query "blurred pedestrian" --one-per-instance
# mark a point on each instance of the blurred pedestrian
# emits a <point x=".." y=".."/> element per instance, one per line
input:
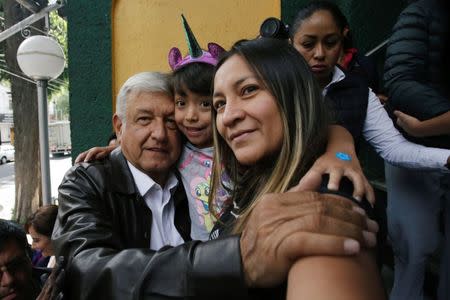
<point x="16" y="275"/>
<point x="40" y="226"/>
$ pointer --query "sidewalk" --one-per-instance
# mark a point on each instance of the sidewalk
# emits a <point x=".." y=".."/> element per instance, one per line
<point x="58" y="167"/>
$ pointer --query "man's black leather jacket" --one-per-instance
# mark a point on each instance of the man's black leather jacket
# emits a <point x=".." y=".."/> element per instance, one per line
<point x="103" y="231"/>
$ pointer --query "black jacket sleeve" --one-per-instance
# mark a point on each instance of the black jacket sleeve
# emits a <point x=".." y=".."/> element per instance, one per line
<point x="407" y="66"/>
<point x="102" y="266"/>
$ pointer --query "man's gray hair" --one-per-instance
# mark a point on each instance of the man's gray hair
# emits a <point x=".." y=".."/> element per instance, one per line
<point x="142" y="82"/>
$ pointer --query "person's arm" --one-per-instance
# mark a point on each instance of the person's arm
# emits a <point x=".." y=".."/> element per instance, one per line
<point x="337" y="278"/>
<point x="326" y="277"/>
<point x="439" y="125"/>
<point x="286" y="227"/>
<point x="390" y="144"/>
<point x="405" y="69"/>
<point x="95" y="153"/>
<point x="100" y="263"/>
<point x="339" y="140"/>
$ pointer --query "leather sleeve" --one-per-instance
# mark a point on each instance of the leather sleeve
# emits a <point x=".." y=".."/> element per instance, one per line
<point x="100" y="265"/>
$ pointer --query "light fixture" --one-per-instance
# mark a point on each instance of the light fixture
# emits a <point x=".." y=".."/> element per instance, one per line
<point x="42" y="58"/>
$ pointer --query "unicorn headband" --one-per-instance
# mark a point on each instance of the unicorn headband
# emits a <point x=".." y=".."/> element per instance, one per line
<point x="196" y="54"/>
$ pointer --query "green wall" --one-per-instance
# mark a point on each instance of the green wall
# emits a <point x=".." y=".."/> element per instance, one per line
<point x="370" y="20"/>
<point x="370" y="23"/>
<point x="89" y="41"/>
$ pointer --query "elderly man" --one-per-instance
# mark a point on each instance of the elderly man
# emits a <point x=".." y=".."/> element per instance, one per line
<point x="16" y="276"/>
<point x="124" y="228"/>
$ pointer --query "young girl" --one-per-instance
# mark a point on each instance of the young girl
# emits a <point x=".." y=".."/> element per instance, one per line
<point x="269" y="127"/>
<point x="192" y="80"/>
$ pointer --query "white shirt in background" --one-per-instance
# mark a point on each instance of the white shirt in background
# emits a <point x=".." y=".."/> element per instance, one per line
<point x="388" y="142"/>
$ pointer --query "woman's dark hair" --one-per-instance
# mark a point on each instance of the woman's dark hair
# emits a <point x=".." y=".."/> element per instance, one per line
<point x="196" y="77"/>
<point x="43" y="220"/>
<point x="314" y="6"/>
<point x="286" y="75"/>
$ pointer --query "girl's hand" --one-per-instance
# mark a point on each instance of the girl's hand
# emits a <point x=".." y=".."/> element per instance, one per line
<point x="328" y="163"/>
<point x="94" y="153"/>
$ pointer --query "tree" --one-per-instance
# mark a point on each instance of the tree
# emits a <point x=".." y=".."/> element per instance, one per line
<point x="60" y="99"/>
<point x="26" y="134"/>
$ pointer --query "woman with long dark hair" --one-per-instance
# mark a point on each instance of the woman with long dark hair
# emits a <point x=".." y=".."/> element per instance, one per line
<point x="270" y="126"/>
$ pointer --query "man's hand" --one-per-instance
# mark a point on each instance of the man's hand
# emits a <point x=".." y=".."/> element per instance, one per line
<point x="54" y="285"/>
<point x="285" y="227"/>
<point x="94" y="153"/>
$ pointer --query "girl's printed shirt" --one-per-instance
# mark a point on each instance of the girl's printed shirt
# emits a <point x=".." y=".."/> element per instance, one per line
<point x="195" y="167"/>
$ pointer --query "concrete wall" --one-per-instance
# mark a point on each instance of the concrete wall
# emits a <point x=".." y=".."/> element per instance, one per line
<point x="144" y="31"/>
<point x="6" y="113"/>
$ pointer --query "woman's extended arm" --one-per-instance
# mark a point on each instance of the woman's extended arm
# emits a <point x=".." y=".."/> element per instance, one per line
<point x="390" y="144"/>
<point x="337" y="278"/>
<point x="339" y="141"/>
<point x="95" y="153"/>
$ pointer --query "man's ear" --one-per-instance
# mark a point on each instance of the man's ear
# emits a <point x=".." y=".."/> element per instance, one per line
<point x="118" y="125"/>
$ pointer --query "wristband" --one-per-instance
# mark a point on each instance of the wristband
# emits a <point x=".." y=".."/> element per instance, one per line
<point x="343" y="156"/>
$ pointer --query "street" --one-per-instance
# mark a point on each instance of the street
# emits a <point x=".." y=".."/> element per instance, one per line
<point x="58" y="167"/>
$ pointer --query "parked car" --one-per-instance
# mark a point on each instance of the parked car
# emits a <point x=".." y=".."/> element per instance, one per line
<point x="6" y="153"/>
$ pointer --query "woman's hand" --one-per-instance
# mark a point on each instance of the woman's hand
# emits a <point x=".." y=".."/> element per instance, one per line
<point x="94" y="153"/>
<point x="335" y="163"/>
<point x="337" y="168"/>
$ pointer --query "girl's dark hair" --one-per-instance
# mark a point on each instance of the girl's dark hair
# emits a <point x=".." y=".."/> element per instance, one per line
<point x="196" y="77"/>
<point x="314" y="6"/>
<point x="43" y="220"/>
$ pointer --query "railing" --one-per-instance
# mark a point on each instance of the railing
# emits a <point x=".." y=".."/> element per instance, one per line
<point x="378" y="47"/>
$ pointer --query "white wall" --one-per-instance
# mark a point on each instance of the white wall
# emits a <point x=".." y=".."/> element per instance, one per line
<point x="5" y="126"/>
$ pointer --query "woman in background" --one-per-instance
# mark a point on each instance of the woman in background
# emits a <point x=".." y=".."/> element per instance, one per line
<point x="40" y="227"/>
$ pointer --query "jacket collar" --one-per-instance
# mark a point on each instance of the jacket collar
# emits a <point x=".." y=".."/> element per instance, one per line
<point x="122" y="181"/>
<point x="121" y="178"/>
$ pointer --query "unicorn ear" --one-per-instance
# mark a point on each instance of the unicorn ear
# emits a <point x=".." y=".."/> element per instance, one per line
<point x="174" y="57"/>
<point x="215" y="50"/>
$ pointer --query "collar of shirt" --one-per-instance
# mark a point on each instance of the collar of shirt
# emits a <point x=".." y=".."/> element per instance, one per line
<point x="144" y="182"/>
<point x="163" y="231"/>
<point x="338" y="75"/>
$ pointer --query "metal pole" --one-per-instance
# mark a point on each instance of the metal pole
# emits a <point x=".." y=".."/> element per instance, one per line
<point x="43" y="141"/>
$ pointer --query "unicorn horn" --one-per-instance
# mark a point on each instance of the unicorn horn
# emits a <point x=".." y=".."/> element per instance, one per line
<point x="194" y="47"/>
